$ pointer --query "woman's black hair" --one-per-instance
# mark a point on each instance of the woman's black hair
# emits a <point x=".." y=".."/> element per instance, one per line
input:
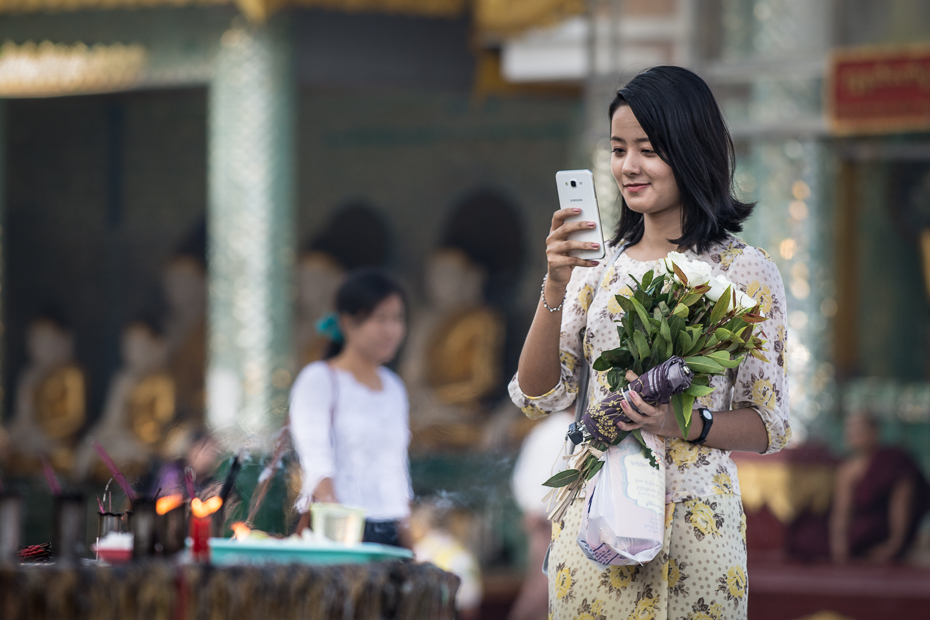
<point x="361" y="292"/>
<point x="678" y="112"/>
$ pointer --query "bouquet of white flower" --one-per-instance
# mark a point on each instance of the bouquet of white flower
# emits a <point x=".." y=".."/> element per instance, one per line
<point x="680" y="312"/>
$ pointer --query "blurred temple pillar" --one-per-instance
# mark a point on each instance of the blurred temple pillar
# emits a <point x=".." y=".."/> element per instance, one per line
<point x="773" y="52"/>
<point x="250" y="238"/>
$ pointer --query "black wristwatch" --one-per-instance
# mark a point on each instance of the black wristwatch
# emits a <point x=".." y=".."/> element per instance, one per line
<point x="708" y="417"/>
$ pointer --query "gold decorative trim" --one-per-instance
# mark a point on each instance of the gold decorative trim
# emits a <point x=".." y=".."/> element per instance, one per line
<point x="48" y="69"/>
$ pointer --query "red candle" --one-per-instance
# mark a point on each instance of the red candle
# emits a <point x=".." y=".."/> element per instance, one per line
<point x="200" y="536"/>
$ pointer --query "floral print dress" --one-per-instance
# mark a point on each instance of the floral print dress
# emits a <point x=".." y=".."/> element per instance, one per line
<point x="700" y="573"/>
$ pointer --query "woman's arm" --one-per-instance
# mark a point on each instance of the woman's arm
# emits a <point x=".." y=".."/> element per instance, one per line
<point x="539" y="368"/>
<point x="738" y="429"/>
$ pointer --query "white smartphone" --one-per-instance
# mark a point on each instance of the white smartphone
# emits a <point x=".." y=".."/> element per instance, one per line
<point x="576" y="191"/>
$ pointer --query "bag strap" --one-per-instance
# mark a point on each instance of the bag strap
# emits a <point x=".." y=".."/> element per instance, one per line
<point x="581" y="399"/>
<point x="334" y="381"/>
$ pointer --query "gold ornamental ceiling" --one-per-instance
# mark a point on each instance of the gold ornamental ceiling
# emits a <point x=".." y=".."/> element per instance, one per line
<point x="493" y="16"/>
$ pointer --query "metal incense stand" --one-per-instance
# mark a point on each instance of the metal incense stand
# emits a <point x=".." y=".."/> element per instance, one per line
<point x="143" y="528"/>
<point x="68" y="535"/>
<point x="11" y="513"/>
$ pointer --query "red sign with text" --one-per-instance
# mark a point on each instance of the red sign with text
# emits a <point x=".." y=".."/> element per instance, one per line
<point x="880" y="91"/>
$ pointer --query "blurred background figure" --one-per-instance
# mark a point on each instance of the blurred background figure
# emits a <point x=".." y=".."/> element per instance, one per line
<point x="349" y="414"/>
<point x="139" y="407"/>
<point x="540" y="457"/>
<point x="50" y="399"/>
<point x="880" y="496"/>
<point x="440" y="532"/>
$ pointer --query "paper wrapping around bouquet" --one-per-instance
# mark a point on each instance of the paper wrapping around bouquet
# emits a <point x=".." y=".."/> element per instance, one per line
<point x="656" y="387"/>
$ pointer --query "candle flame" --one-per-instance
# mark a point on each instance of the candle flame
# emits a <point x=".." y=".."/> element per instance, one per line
<point x="201" y="509"/>
<point x="241" y="530"/>
<point x="166" y="504"/>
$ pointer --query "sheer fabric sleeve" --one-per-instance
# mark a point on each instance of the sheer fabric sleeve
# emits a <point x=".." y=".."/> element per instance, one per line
<point x="763" y="386"/>
<point x="578" y="297"/>
<point x="311" y="428"/>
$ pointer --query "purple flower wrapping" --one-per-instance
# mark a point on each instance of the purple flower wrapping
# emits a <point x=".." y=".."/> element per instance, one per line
<point x="656" y="386"/>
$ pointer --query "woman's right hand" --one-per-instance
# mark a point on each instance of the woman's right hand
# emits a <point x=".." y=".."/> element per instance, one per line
<point x="558" y="247"/>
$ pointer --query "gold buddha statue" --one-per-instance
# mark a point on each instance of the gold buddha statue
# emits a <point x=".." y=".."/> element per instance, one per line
<point x="318" y="278"/>
<point x="453" y="357"/>
<point x="50" y="408"/>
<point x="139" y="407"/>
<point x="185" y="290"/>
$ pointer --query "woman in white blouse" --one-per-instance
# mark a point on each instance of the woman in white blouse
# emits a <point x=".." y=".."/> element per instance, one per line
<point x="349" y="414"/>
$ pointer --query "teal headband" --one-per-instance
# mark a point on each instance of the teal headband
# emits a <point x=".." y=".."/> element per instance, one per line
<point x="329" y="326"/>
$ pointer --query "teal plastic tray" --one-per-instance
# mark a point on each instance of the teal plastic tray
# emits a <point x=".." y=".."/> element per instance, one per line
<point x="225" y="551"/>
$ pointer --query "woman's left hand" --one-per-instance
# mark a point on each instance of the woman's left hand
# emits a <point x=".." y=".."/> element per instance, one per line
<point x="658" y="420"/>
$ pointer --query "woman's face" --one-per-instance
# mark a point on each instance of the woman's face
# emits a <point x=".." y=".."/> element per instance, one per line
<point x="378" y="336"/>
<point x="646" y="183"/>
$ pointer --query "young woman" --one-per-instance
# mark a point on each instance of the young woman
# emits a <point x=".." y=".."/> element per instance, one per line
<point x="349" y="414"/>
<point x="673" y="162"/>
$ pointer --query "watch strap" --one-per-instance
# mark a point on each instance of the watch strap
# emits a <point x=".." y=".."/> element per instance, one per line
<point x="707" y="417"/>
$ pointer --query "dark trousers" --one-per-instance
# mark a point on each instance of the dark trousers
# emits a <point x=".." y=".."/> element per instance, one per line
<point x="381" y="532"/>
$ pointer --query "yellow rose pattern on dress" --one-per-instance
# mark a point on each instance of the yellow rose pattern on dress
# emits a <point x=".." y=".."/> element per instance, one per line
<point x="702" y="541"/>
<point x="700" y="514"/>
<point x="667" y="588"/>
<point x="646" y="604"/>
<point x="762" y="294"/>
<point x="532" y="411"/>
<point x="617" y="578"/>
<point x="733" y="584"/>
<point x="585" y="296"/>
<point x="591" y="611"/>
<point x="706" y="611"/>
<point x="564" y="580"/>
<point x="684" y="454"/>
<point x="557" y="528"/>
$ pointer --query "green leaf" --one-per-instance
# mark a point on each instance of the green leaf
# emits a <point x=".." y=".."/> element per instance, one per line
<point x="684" y="342"/>
<point x="690" y="299"/>
<point x="720" y="308"/>
<point x="723" y="358"/>
<point x="563" y="478"/>
<point x="704" y="364"/>
<point x="680" y="274"/>
<point x="640" y="311"/>
<point x="647" y="279"/>
<point x="615" y="377"/>
<point x="697" y="345"/>
<point x="699" y="390"/>
<point x="682" y="405"/>
<point x="665" y="331"/>
<point x="641" y="345"/>
<point x="624" y="302"/>
<point x="680" y="310"/>
<point x="639" y="437"/>
<point x="600" y="364"/>
<point x="594" y="469"/>
<point x="658" y="346"/>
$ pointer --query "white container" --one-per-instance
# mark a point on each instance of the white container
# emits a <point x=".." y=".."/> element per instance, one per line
<point x="338" y="523"/>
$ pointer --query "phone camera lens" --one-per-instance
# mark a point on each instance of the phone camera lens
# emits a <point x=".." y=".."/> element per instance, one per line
<point x="574" y="184"/>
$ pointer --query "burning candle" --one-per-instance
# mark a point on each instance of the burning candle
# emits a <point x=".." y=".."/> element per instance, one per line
<point x="202" y="526"/>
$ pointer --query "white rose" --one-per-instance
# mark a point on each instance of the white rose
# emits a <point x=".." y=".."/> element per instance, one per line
<point x="718" y="287"/>
<point x="745" y="301"/>
<point x="697" y="272"/>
